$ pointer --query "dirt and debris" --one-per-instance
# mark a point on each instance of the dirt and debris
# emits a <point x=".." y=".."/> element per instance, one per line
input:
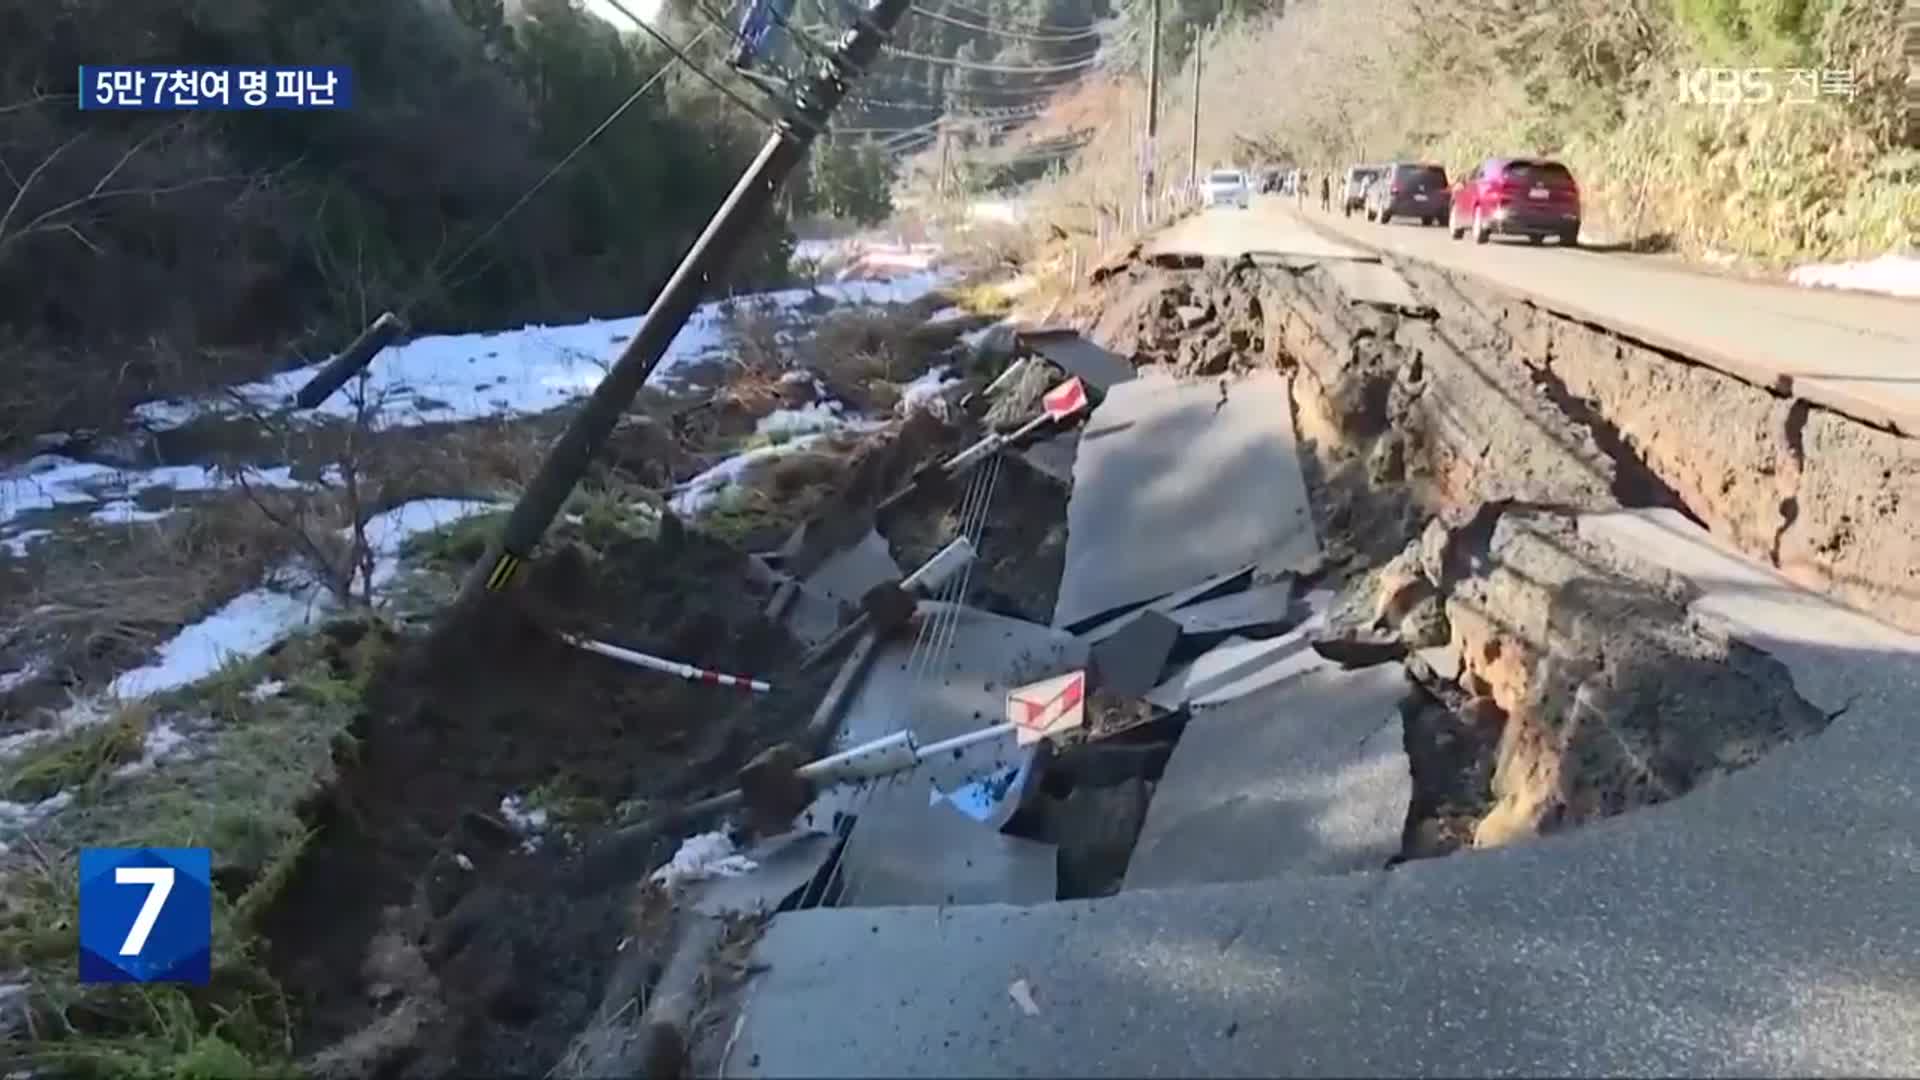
<point x="1022" y="545"/>
<point x="495" y="968"/>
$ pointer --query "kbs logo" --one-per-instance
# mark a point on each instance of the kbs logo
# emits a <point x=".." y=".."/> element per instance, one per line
<point x="146" y="915"/>
<point x="1729" y="87"/>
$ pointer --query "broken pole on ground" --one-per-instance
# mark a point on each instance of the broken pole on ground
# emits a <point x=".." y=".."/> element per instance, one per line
<point x="786" y="147"/>
<point x="350" y="361"/>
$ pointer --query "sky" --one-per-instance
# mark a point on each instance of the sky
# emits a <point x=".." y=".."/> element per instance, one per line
<point x="646" y="9"/>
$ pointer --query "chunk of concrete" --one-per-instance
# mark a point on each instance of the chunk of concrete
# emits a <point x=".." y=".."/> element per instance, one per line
<point x="908" y="845"/>
<point x="905" y="852"/>
<point x="1239" y="666"/>
<point x="1306" y="778"/>
<point x="1177" y="481"/>
<point x="1259" y="608"/>
<point x="1099" y="368"/>
<point x="1128" y="662"/>
<point x="1218" y="585"/>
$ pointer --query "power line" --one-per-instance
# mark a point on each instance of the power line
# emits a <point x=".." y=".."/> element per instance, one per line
<point x="1024" y="35"/>
<point x="527" y="196"/>
<point x="1002" y="69"/>
<point x="696" y="68"/>
<point x="1041" y="26"/>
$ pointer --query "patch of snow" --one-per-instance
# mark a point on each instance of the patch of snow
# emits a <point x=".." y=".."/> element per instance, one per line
<point x="244" y="627"/>
<point x="48" y="481"/>
<point x="162" y="742"/>
<point x="707" y="855"/>
<point x="265" y="690"/>
<point x="12" y="680"/>
<point x="18" y="543"/>
<point x="19" y="817"/>
<point x="529" y="822"/>
<point x="976" y="339"/>
<point x="449" y="378"/>
<point x="926" y="393"/>
<point x="389" y="531"/>
<point x="82" y="713"/>
<point x="698" y="495"/>
<point x="946" y="315"/>
<point x="1895" y="275"/>
<point x="796" y="377"/>
<point x="814" y="417"/>
<point x="125" y="512"/>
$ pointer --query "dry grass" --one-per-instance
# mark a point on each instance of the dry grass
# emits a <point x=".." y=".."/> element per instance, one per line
<point x="102" y="596"/>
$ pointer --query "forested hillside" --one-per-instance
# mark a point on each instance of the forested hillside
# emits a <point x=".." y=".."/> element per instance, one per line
<point x="147" y="252"/>
<point x="1819" y="171"/>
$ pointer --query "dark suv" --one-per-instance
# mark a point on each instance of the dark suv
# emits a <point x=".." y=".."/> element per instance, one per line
<point x="1409" y="189"/>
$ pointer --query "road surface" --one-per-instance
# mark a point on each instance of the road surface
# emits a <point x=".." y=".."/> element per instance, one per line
<point x="1853" y="353"/>
<point x="1765" y="925"/>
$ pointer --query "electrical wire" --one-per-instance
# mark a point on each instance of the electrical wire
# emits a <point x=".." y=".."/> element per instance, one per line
<point x="1077" y="35"/>
<point x="668" y="45"/>
<point x="433" y="277"/>
<point x="1002" y="69"/>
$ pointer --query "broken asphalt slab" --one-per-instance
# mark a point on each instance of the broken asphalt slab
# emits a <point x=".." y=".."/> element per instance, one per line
<point x="1239" y="666"/>
<point x="1099" y="368"/>
<point x="1308" y="777"/>
<point x="906" y="845"/>
<point x="1177" y="481"/>
<point x="1763" y="924"/>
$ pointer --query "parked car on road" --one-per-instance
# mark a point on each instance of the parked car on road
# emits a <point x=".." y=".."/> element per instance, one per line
<point x="1226" y="187"/>
<point x="1531" y="197"/>
<point x="1354" y="193"/>
<point x="1412" y="189"/>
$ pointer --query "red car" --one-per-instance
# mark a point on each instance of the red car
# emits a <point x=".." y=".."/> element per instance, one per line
<point x="1531" y="197"/>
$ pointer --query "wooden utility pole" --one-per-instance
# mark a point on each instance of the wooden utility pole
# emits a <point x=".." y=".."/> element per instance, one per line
<point x="1153" y="102"/>
<point x="567" y="459"/>
<point x="1193" y="144"/>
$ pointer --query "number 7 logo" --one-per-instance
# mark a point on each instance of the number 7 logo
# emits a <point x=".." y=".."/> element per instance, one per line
<point x="146" y="915"/>
<point x="159" y="880"/>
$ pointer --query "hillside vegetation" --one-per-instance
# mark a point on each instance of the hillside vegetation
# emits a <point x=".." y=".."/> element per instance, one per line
<point x="1325" y="83"/>
<point x="145" y="253"/>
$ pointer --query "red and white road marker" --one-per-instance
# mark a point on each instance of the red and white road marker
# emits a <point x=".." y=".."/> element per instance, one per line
<point x="1047" y="708"/>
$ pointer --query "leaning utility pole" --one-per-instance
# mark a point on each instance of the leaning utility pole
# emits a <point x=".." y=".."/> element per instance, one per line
<point x="805" y="116"/>
<point x="1193" y="144"/>
<point x="1153" y="102"/>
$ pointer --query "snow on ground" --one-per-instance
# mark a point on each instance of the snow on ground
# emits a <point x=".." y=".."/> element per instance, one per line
<point x="529" y="821"/>
<point x="927" y="393"/>
<point x="805" y="420"/>
<point x="387" y="533"/>
<point x="1896" y="275"/>
<point x="161" y="742"/>
<point x="451" y="378"/>
<point x="245" y="626"/>
<point x="51" y="480"/>
<point x="18" y="543"/>
<point x="704" y="856"/>
<point x="699" y="494"/>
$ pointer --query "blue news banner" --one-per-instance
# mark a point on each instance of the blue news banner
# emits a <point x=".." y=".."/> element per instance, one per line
<point x="146" y="915"/>
<point x="173" y="89"/>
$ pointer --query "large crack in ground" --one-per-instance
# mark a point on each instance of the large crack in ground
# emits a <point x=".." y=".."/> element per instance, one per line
<point x="1449" y="453"/>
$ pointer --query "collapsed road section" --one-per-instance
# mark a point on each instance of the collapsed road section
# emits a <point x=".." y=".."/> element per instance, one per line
<point x="1357" y="568"/>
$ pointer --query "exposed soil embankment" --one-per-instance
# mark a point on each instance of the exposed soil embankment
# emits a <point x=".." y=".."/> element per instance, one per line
<point x="1450" y="450"/>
